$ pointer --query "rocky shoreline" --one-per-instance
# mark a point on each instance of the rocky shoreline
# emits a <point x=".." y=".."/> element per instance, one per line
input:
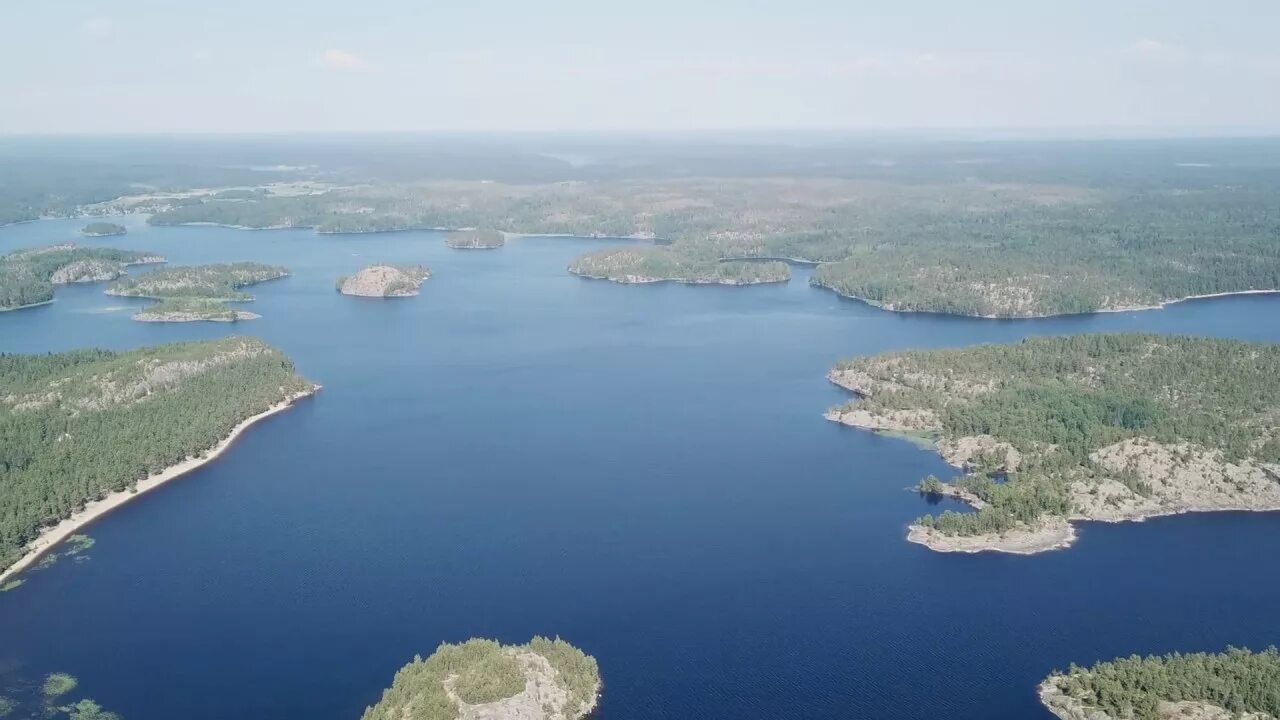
<point x="1182" y="479"/>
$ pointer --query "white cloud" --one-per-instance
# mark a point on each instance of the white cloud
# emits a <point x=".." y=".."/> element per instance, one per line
<point x="1147" y="45"/>
<point x="97" y="27"/>
<point x="334" y="59"/>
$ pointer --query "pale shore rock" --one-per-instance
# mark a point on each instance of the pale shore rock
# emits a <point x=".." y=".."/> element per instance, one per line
<point x="1066" y="707"/>
<point x="542" y="698"/>
<point x="1018" y="310"/>
<point x="86" y="271"/>
<point x="1182" y="477"/>
<point x="178" y="317"/>
<point x="1052" y="533"/>
<point x="55" y="534"/>
<point x="383" y="281"/>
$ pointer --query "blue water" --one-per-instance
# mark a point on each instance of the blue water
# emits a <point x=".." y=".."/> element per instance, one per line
<point x="642" y="470"/>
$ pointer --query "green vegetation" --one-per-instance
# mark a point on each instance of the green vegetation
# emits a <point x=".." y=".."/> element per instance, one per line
<point x="102" y="229"/>
<point x="484" y="671"/>
<point x="1015" y="244"/>
<point x="27" y="276"/>
<point x="1045" y="406"/>
<point x="653" y="264"/>
<point x="191" y="309"/>
<point x="214" y="282"/>
<point x="80" y="425"/>
<point x="48" y="700"/>
<point x="58" y="684"/>
<point x="475" y="239"/>
<point x="88" y="710"/>
<point x="1238" y="680"/>
<point x="198" y="292"/>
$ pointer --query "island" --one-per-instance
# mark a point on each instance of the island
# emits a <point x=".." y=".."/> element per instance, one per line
<point x="198" y="292"/>
<point x="384" y="281"/>
<point x="660" y="264"/>
<point x="478" y="679"/>
<point x="102" y="229"/>
<point x="475" y="239"/>
<point x="1001" y="240"/>
<point x="28" y="277"/>
<point x="179" y="309"/>
<point x="1090" y="427"/>
<point x="1236" y="684"/>
<point x="88" y="430"/>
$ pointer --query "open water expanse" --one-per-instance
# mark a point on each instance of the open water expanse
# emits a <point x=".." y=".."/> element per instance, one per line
<point x="643" y="470"/>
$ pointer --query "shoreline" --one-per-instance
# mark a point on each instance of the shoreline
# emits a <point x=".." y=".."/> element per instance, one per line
<point x="24" y="307"/>
<point x="1053" y="532"/>
<point x="1043" y="316"/>
<point x="51" y="536"/>
<point x="646" y="280"/>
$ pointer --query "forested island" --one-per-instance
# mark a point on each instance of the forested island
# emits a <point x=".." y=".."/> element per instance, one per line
<point x="475" y="239"/>
<point x="184" y="309"/>
<point x="1088" y="427"/>
<point x="541" y="680"/>
<point x="102" y="229"/>
<point x="27" y="277"/>
<point x="656" y="264"/>
<point x="198" y="292"/>
<point x="1052" y="242"/>
<point x="384" y="281"/>
<point x="1198" y="686"/>
<point x="80" y="430"/>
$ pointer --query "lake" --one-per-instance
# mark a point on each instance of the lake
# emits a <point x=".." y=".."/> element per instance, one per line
<point x="643" y="470"/>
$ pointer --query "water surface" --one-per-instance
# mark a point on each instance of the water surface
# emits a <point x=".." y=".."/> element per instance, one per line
<point x="643" y="470"/>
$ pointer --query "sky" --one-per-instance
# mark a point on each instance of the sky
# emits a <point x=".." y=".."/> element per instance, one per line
<point x="141" y="66"/>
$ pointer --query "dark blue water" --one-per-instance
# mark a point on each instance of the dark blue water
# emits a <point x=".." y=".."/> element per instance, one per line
<point x="642" y="470"/>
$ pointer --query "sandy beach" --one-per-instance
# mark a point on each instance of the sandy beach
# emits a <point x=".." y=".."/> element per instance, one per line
<point x="53" y="535"/>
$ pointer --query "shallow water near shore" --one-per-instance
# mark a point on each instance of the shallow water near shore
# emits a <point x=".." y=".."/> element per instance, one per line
<point x="643" y="470"/>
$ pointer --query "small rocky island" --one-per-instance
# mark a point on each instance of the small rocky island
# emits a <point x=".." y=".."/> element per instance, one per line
<point x="385" y="281"/>
<point x="634" y="265"/>
<point x="1089" y="427"/>
<point x="197" y="293"/>
<point x="484" y="680"/>
<point x="102" y="229"/>
<point x="475" y="239"/>
<point x="1235" y="685"/>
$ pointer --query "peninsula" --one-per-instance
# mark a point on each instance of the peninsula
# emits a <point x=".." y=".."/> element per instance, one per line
<point x="102" y="229"/>
<point x="1237" y="684"/>
<point x="659" y="264"/>
<point x="27" y="277"/>
<point x="1089" y="427"/>
<point x="384" y="281"/>
<point x="90" y="429"/>
<point x="483" y="680"/>
<point x="475" y="239"/>
<point x="196" y="293"/>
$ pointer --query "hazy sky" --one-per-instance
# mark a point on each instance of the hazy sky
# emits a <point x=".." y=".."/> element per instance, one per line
<point x="336" y="65"/>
